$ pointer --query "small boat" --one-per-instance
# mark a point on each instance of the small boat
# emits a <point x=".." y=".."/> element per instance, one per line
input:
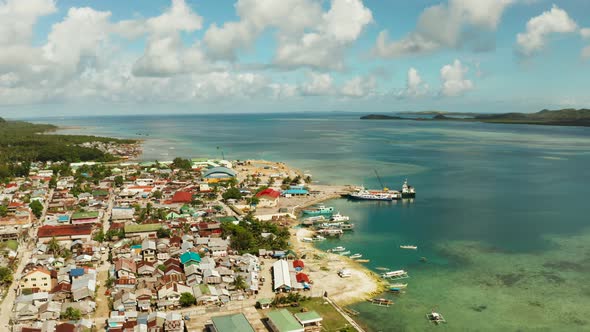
<point x="318" y="238"/>
<point x="408" y="191"/>
<point x="435" y="318"/>
<point x="409" y="247"/>
<point x="320" y="210"/>
<point x="344" y="273"/>
<point x="363" y="260"/>
<point x="337" y="249"/>
<point x="398" y="285"/>
<point x="307" y="239"/>
<point x="339" y="217"/>
<point x="331" y="232"/>
<point x="346" y="226"/>
<point x="355" y="256"/>
<point x="398" y="274"/>
<point x="381" y="301"/>
<point x="344" y="253"/>
<point x="382" y="268"/>
<point x="315" y="219"/>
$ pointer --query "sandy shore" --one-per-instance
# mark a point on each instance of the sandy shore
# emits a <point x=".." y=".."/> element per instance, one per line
<point x="323" y="270"/>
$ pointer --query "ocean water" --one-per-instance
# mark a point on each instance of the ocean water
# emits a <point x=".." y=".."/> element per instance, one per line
<point x="501" y="212"/>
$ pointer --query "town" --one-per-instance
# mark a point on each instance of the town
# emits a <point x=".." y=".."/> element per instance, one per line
<point x="184" y="245"/>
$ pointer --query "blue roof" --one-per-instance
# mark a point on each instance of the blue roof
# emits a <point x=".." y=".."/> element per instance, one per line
<point x="77" y="272"/>
<point x="295" y="192"/>
<point x="219" y="172"/>
<point x="189" y="256"/>
<point x="63" y="217"/>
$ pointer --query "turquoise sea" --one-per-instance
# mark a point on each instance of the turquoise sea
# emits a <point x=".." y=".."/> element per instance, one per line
<point x="501" y="212"/>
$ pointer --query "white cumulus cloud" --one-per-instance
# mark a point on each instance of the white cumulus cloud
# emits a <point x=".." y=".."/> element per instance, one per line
<point x="539" y="28"/>
<point x="317" y="84"/>
<point x="453" y="79"/>
<point x="415" y="86"/>
<point x="359" y="87"/>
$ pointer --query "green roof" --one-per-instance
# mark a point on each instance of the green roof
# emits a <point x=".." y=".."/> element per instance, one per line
<point x="227" y="219"/>
<point x="265" y="301"/>
<point x="139" y="228"/>
<point x="100" y="193"/>
<point x="310" y="316"/>
<point x="189" y="256"/>
<point x="231" y="323"/>
<point x="284" y="321"/>
<point x="85" y="215"/>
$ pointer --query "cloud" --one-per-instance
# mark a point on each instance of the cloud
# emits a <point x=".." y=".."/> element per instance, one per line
<point x="317" y="84"/>
<point x="585" y="33"/>
<point x="359" y="86"/>
<point x="445" y="26"/>
<point x="415" y="87"/>
<point x="586" y="52"/>
<point x="539" y="28"/>
<point x="453" y="81"/>
<point x="306" y="36"/>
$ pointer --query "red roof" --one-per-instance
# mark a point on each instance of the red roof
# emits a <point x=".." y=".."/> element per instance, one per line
<point x="302" y="277"/>
<point x="64" y="230"/>
<point x="298" y="263"/>
<point x="10" y="185"/>
<point x="270" y="193"/>
<point x="182" y="197"/>
<point x="65" y="327"/>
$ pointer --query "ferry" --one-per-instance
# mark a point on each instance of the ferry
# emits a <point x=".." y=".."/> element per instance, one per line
<point x="320" y="210"/>
<point x="355" y="256"/>
<point x="398" y="274"/>
<point x="408" y="191"/>
<point x="339" y="217"/>
<point x="409" y="247"/>
<point x="337" y="249"/>
<point x="375" y="195"/>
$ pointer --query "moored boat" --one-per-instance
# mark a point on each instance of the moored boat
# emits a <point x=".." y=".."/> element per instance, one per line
<point x="339" y="217"/>
<point x="407" y="190"/>
<point x="345" y="273"/>
<point x="381" y="301"/>
<point x="398" y="274"/>
<point x="337" y="249"/>
<point x="355" y="256"/>
<point x="409" y="247"/>
<point x="435" y="318"/>
<point x="320" y="210"/>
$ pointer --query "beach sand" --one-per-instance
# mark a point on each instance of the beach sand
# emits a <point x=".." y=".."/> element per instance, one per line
<point x="323" y="270"/>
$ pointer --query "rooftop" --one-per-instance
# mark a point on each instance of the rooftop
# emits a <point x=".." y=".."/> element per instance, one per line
<point x="284" y="321"/>
<point x="231" y="323"/>
<point x="85" y="215"/>
<point x="64" y="230"/>
<point x="140" y="228"/>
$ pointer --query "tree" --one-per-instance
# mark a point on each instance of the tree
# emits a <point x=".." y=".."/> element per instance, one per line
<point x="99" y="237"/>
<point x="187" y="299"/>
<point x="163" y="233"/>
<point x="53" y="182"/>
<point x="53" y="246"/>
<point x="182" y="163"/>
<point x="3" y="210"/>
<point x="240" y="283"/>
<point x="157" y="194"/>
<point x="36" y="208"/>
<point x="254" y="200"/>
<point x="71" y="314"/>
<point x="232" y="193"/>
<point x="118" y="181"/>
<point x="5" y="276"/>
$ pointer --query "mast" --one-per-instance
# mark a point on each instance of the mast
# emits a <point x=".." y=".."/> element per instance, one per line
<point x="379" y="178"/>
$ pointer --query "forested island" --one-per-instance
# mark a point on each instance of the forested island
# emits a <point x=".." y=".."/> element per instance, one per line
<point x="22" y="143"/>
<point x="563" y="117"/>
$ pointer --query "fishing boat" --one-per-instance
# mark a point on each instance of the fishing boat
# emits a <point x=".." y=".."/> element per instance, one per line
<point x="398" y="274"/>
<point x="435" y="318"/>
<point x="339" y="217"/>
<point x="408" y="191"/>
<point x="398" y="285"/>
<point x="355" y="256"/>
<point x="381" y="302"/>
<point x="318" y="238"/>
<point x="318" y="211"/>
<point x="363" y="260"/>
<point x="331" y="232"/>
<point x="337" y="249"/>
<point x="409" y="247"/>
<point x="380" y="268"/>
<point x="315" y="219"/>
<point x="344" y="253"/>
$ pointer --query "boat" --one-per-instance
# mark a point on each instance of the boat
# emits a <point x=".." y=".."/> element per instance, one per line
<point x="320" y="210"/>
<point x="408" y="191"/>
<point x="374" y="195"/>
<point x="346" y="226"/>
<point x="339" y="217"/>
<point x="398" y="285"/>
<point x="318" y="238"/>
<point x="363" y="260"/>
<point x="409" y="247"/>
<point x="337" y="249"/>
<point x="355" y="256"/>
<point x="344" y="273"/>
<point x="315" y="219"/>
<point x="435" y="318"/>
<point x="380" y="268"/>
<point x="344" y="253"/>
<point x="331" y="232"/>
<point x="307" y="239"/>
<point x="398" y="274"/>
<point x="381" y="301"/>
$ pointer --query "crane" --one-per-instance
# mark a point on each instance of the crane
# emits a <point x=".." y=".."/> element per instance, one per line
<point x="379" y="178"/>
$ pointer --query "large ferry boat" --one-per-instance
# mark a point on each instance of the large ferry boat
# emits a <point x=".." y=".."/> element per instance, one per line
<point x="408" y="191"/>
<point x="375" y="195"/>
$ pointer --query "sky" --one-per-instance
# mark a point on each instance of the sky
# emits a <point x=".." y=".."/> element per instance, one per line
<point x="94" y="57"/>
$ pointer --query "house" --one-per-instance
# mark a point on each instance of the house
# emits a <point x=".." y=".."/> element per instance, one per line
<point x="281" y="276"/>
<point x="84" y="286"/>
<point x="268" y="198"/>
<point x="230" y="323"/>
<point x="283" y="321"/>
<point x="309" y="319"/>
<point x="142" y="230"/>
<point x="39" y="278"/>
<point x="145" y="268"/>
<point x="50" y="310"/>
<point x="169" y="294"/>
<point x="144" y="298"/>
<point x="87" y="217"/>
<point x="190" y="258"/>
<point x="148" y="250"/>
<point x="119" y="213"/>
<point x="174" y="322"/>
<point x="125" y="301"/>
<point x="65" y="232"/>
<point x="295" y="191"/>
<point x="125" y="268"/>
<point x="182" y="197"/>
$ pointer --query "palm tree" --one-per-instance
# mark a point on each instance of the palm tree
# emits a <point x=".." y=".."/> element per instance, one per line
<point x="53" y="246"/>
<point x="240" y="283"/>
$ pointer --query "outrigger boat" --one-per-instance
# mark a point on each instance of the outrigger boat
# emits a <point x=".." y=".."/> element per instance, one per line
<point x="337" y="249"/>
<point x="398" y="285"/>
<point x="398" y="274"/>
<point x="339" y="217"/>
<point x="363" y="260"/>
<point x="381" y="302"/>
<point x="355" y="256"/>
<point x="344" y="253"/>
<point x="435" y="318"/>
<point x="409" y="247"/>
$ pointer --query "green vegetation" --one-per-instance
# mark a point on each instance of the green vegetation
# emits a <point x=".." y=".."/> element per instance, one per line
<point x="232" y="193"/>
<point x="3" y="210"/>
<point x="118" y="181"/>
<point x="163" y="233"/>
<point x="333" y="320"/>
<point x="99" y="237"/>
<point x="5" y="276"/>
<point x="23" y="141"/>
<point x="71" y="314"/>
<point x="246" y="236"/>
<point x="36" y="208"/>
<point x="240" y="283"/>
<point x="182" y="163"/>
<point x="187" y="299"/>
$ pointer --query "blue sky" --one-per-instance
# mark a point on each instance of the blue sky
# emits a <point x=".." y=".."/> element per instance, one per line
<point x="188" y="56"/>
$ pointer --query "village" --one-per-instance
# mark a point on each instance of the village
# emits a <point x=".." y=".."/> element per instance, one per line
<point x="185" y="245"/>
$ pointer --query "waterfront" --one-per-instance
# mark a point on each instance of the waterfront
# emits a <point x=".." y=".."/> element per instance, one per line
<point x="496" y="213"/>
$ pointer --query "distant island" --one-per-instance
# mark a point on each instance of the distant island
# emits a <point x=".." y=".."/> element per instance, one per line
<point x="563" y="117"/>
